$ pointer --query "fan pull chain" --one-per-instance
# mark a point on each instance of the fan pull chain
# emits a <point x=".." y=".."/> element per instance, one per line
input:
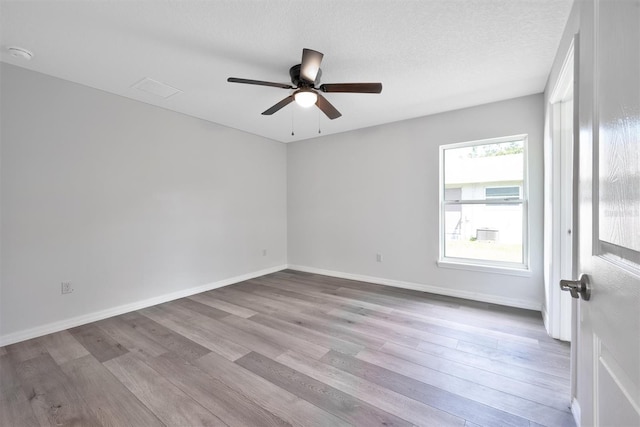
<point x="319" y="131"/>
<point x="292" y="133"/>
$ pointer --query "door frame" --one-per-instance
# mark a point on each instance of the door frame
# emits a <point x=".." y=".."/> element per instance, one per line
<point x="560" y="212"/>
<point x="561" y="316"/>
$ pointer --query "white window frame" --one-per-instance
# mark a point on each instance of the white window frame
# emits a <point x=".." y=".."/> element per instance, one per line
<point x="519" y="269"/>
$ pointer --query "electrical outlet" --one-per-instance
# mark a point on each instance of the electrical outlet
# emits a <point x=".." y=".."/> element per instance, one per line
<point x="65" y="288"/>
<point x="379" y="257"/>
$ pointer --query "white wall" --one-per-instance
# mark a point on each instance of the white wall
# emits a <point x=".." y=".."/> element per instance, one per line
<point x="129" y="202"/>
<point x="375" y="190"/>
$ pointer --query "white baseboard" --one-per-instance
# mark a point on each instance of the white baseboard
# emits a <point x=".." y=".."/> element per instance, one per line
<point x="545" y="318"/>
<point x="493" y="299"/>
<point x="114" y="311"/>
<point x="575" y="410"/>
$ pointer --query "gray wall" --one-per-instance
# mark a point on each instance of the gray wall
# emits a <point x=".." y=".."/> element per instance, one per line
<point x="136" y="205"/>
<point x="375" y="190"/>
<point x="127" y="201"/>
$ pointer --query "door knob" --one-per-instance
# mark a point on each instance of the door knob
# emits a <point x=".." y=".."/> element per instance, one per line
<point x="578" y="288"/>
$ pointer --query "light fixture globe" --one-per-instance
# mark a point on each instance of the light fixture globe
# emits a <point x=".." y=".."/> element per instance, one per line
<point x="305" y="97"/>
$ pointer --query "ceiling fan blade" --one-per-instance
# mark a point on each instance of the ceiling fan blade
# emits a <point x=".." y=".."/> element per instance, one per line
<point x="352" y="87"/>
<point x="288" y="100"/>
<point x="327" y="108"/>
<point x="310" y="64"/>
<point x="258" y="82"/>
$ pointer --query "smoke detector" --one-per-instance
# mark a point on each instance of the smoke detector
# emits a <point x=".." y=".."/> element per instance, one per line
<point x="20" y="53"/>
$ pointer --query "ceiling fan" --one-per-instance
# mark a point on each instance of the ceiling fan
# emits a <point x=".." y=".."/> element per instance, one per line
<point x="305" y="78"/>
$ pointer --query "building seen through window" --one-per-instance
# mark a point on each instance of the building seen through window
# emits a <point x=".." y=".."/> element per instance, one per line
<point x="483" y="202"/>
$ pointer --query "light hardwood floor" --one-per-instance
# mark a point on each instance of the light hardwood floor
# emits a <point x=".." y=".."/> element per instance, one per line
<point x="294" y="348"/>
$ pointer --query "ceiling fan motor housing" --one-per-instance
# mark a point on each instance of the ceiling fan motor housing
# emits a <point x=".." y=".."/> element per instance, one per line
<point x="294" y="72"/>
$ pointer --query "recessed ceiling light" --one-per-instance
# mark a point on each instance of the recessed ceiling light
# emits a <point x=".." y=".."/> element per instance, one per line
<point x="20" y="53"/>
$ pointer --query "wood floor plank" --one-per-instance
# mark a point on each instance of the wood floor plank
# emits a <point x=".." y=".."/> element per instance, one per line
<point x="468" y="388"/>
<point x="26" y="350"/>
<point x="15" y="407"/>
<point x="16" y="410"/>
<point x="560" y="347"/>
<point x="166" y="401"/>
<point x="522" y="317"/>
<point x="324" y="325"/>
<point x="198" y="307"/>
<point x="496" y="381"/>
<point x="131" y="337"/>
<point x="417" y="413"/>
<point x="286" y="405"/>
<point x="360" y="325"/>
<point x="476" y="308"/>
<point x="438" y="327"/>
<point x="397" y="302"/>
<point x="320" y="394"/>
<point x="226" y="332"/>
<point x="525" y="324"/>
<point x="210" y="300"/>
<point x="232" y="407"/>
<point x="63" y="346"/>
<point x="391" y="302"/>
<point x="187" y="325"/>
<point x="530" y="376"/>
<point x="316" y="292"/>
<point x="285" y="297"/>
<point x="315" y="280"/>
<point x="53" y="397"/>
<point x="28" y="369"/>
<point x="10" y="379"/>
<point x="110" y="401"/>
<point x="456" y="405"/>
<point x="395" y="329"/>
<point x="281" y="339"/>
<point x="179" y="344"/>
<point x="307" y="280"/>
<point x="278" y="308"/>
<point x="99" y="344"/>
<point x="521" y="322"/>
<point x="549" y="363"/>
<point x="261" y="287"/>
<point x="254" y="302"/>
<point x="420" y="319"/>
<point x="319" y="338"/>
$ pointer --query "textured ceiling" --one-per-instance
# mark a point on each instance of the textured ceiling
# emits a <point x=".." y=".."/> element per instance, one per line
<point x="431" y="56"/>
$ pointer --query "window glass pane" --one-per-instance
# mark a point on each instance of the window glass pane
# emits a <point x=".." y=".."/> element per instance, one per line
<point x="502" y="192"/>
<point x="453" y="194"/>
<point x="476" y="168"/>
<point x="484" y="232"/>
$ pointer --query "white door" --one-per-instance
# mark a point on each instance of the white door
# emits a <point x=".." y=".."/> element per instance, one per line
<point x="608" y="365"/>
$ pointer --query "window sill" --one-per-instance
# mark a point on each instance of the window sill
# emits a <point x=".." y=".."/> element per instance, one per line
<point x="485" y="268"/>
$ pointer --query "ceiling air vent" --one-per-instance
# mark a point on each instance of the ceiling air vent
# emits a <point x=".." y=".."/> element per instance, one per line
<point x="155" y="87"/>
